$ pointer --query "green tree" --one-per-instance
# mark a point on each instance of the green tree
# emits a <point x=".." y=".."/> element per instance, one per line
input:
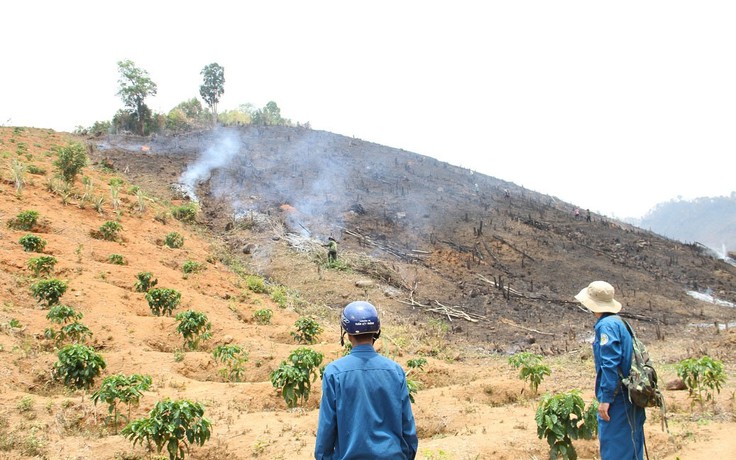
<point x="75" y="331"/>
<point x="263" y="316"/>
<point x="32" y="243"/>
<point x="530" y="368"/>
<point x="307" y="330"/>
<point x="48" y="292"/>
<point x="121" y="388"/>
<point x="295" y="375"/>
<point x="194" y="327"/>
<point x="135" y="86"/>
<point x="62" y="314"/>
<point x="71" y="328"/>
<point x="42" y="265"/>
<point x="702" y="375"/>
<point x="415" y="365"/>
<point x="78" y="366"/>
<point x="213" y="86"/>
<point x="186" y="115"/>
<point x="234" y="359"/>
<point x="110" y="230"/>
<point x="268" y="115"/>
<point x="562" y="418"/>
<point x="174" y="424"/>
<point x="163" y="300"/>
<point x="25" y="220"/>
<point x="174" y="240"/>
<point x="70" y="160"/>
<point x="145" y="281"/>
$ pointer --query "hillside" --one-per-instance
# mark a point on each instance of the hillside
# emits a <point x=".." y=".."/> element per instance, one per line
<point x="708" y="221"/>
<point x="464" y="274"/>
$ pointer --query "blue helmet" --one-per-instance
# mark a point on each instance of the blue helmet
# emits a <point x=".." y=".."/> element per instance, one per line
<point x="360" y="317"/>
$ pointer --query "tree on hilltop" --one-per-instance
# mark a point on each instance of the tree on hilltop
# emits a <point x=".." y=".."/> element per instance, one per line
<point x="135" y="86"/>
<point x="213" y="86"/>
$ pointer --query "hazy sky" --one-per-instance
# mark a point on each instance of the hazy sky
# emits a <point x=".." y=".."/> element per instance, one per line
<point x="613" y="106"/>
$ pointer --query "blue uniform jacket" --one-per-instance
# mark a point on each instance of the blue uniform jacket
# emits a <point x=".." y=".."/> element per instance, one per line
<point x="622" y="437"/>
<point x="612" y="350"/>
<point x="365" y="411"/>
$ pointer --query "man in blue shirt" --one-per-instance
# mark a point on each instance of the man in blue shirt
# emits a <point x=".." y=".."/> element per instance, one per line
<point x="620" y="423"/>
<point x="365" y="411"/>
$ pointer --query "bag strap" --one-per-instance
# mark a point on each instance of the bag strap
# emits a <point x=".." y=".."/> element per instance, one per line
<point x="662" y="407"/>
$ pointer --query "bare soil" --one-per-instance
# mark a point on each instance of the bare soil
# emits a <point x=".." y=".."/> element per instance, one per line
<point x="462" y="274"/>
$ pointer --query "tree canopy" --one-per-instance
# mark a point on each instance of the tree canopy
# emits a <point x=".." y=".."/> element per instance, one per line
<point x="213" y="86"/>
<point x="135" y="86"/>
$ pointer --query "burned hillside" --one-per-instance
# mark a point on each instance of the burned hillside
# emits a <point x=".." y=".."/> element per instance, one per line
<point x="422" y="238"/>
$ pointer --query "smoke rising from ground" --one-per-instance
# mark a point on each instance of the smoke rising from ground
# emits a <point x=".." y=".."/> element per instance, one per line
<point x="316" y="182"/>
<point x="223" y="146"/>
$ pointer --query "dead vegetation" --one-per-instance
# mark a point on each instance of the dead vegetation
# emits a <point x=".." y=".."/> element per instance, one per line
<point x="462" y="273"/>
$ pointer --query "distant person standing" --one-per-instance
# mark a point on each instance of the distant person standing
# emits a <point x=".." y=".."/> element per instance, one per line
<point x="365" y="411"/>
<point x="331" y="250"/>
<point x="587" y="215"/>
<point x="620" y="422"/>
<point x="577" y="213"/>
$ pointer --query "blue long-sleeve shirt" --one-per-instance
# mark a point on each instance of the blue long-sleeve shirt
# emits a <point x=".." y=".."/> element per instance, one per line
<point x="365" y="411"/>
<point x="612" y="352"/>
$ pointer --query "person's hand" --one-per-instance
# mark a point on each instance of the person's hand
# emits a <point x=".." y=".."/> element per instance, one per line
<point x="603" y="411"/>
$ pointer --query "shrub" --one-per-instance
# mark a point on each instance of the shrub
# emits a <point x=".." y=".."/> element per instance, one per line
<point x="36" y="170"/>
<point x="185" y="213"/>
<point x="62" y="314"/>
<point x="530" y="368"/>
<point x="263" y="316"/>
<point x="256" y="284"/>
<point x="116" y="259"/>
<point x="70" y="160"/>
<point x="42" y="265"/>
<point x="701" y="376"/>
<point x="145" y="281"/>
<point x="71" y="328"/>
<point x="75" y="332"/>
<point x="191" y="266"/>
<point x="48" y="292"/>
<point x="562" y="418"/>
<point x="121" y="388"/>
<point x="32" y="243"/>
<point x="174" y="240"/>
<point x="412" y="384"/>
<point x="163" y="300"/>
<point x="294" y="376"/>
<point x="78" y="366"/>
<point x="174" y="424"/>
<point x="307" y="330"/>
<point x="234" y="358"/>
<point x="25" y="220"/>
<point x="416" y="363"/>
<point x="110" y="230"/>
<point x="194" y="327"/>
<point x="278" y="295"/>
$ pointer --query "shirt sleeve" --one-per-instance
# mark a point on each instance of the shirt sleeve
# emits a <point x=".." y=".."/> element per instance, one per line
<point x="327" y="427"/>
<point x="610" y="361"/>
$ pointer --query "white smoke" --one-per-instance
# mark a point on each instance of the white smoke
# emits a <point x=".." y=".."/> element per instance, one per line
<point x="225" y="145"/>
<point x="708" y="297"/>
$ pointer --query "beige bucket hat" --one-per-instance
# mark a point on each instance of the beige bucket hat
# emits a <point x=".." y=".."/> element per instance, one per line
<point x="598" y="298"/>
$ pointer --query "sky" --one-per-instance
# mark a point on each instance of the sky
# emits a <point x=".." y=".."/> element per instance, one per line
<point x="610" y="106"/>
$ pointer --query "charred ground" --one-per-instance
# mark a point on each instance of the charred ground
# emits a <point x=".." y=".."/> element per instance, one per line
<point x="421" y="238"/>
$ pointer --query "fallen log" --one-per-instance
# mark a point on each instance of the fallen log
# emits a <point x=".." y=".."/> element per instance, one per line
<point x="513" y="324"/>
<point x="514" y="248"/>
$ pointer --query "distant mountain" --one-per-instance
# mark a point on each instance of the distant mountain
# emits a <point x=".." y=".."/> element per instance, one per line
<point x="710" y="221"/>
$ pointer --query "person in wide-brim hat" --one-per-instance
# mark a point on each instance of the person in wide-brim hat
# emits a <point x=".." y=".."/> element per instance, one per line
<point x="598" y="298"/>
<point x="620" y="422"/>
